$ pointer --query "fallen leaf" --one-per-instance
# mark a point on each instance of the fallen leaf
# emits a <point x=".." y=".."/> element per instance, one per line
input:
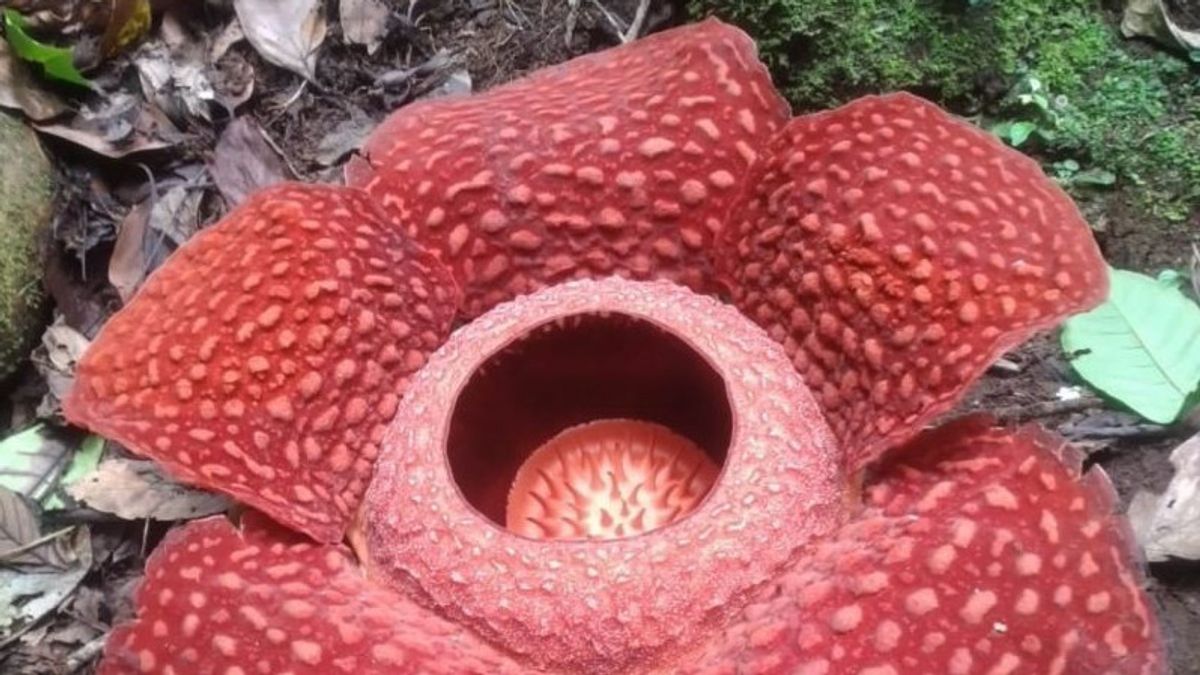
<point x="127" y="267"/>
<point x="1156" y="20"/>
<point x="21" y="540"/>
<point x="177" y="82"/>
<point x="120" y="125"/>
<point x="1168" y="525"/>
<point x="58" y="63"/>
<point x="83" y="461"/>
<point x="1139" y="346"/>
<point x="128" y="20"/>
<point x="176" y="214"/>
<point x="344" y="139"/>
<point x="56" y="357"/>
<point x="364" y="22"/>
<point x="151" y="231"/>
<point x="19" y="90"/>
<point x="27" y="595"/>
<point x="31" y="461"/>
<point x="135" y="490"/>
<point x="287" y="33"/>
<point x="245" y="161"/>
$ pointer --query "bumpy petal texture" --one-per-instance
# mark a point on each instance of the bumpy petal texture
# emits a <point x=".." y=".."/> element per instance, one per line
<point x="261" y="599"/>
<point x="897" y="251"/>
<point x="513" y="378"/>
<point x="980" y="551"/>
<point x="267" y="356"/>
<point x="621" y="162"/>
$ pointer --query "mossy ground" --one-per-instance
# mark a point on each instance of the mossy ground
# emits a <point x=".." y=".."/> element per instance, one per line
<point x="1115" y="107"/>
<point x="26" y="186"/>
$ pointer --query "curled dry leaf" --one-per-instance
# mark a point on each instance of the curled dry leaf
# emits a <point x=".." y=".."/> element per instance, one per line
<point x="287" y="33"/>
<point x="1168" y="525"/>
<point x="135" y="490"/>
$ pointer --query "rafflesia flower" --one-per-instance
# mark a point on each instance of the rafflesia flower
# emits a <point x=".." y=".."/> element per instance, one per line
<point x="680" y="428"/>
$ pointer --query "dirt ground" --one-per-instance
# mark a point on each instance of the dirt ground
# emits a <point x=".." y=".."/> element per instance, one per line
<point x="494" y="41"/>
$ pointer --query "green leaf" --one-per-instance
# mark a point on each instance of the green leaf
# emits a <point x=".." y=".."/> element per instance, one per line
<point x="57" y="62"/>
<point x="32" y="461"/>
<point x="1172" y="278"/>
<point x="1019" y="132"/>
<point x="1141" y="347"/>
<point x="85" y="460"/>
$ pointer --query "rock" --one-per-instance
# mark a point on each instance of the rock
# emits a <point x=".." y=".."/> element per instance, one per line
<point x="26" y="188"/>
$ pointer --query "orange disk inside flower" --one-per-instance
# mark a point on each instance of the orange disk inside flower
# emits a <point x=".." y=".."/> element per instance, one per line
<point x="608" y="479"/>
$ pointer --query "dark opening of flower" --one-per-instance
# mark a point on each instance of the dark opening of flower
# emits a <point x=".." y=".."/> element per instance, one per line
<point x="620" y="475"/>
<point x="562" y="414"/>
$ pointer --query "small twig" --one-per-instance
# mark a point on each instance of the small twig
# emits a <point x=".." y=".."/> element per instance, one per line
<point x="1021" y="413"/>
<point x="635" y="26"/>
<point x="25" y="548"/>
<point x="572" y="17"/>
<point x="1127" y="431"/>
<point x="86" y="654"/>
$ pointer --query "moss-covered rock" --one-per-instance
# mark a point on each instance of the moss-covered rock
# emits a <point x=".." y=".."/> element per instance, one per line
<point x="26" y="186"/>
<point x="1115" y="106"/>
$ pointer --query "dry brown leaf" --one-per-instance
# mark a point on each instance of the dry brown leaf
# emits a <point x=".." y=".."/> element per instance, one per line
<point x="245" y="161"/>
<point x="127" y="265"/>
<point x="287" y="33"/>
<point x="135" y="490"/>
<point x="19" y="90"/>
<point x="120" y="125"/>
<point x="1168" y="525"/>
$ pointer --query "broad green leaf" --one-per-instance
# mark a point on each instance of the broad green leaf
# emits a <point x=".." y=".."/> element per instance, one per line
<point x="57" y="62"/>
<point x="1141" y="347"/>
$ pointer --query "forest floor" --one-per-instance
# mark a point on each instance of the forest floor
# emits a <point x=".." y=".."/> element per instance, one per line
<point x="307" y="130"/>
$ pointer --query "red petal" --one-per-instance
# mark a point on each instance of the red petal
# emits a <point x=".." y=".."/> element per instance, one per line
<point x="621" y="162"/>
<point x="896" y="252"/>
<point x="514" y="378"/>
<point x="264" y="600"/>
<point x="987" y="552"/>
<point x="266" y="357"/>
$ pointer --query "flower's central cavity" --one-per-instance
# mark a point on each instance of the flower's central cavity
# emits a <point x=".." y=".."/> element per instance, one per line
<point x="590" y="426"/>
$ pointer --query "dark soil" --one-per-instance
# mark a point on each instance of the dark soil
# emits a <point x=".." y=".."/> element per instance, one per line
<point x="495" y="41"/>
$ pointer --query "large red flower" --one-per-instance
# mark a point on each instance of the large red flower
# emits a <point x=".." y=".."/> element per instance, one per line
<point x="623" y="475"/>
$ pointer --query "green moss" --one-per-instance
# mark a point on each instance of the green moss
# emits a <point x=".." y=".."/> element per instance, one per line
<point x="1116" y="106"/>
<point x="25" y="193"/>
